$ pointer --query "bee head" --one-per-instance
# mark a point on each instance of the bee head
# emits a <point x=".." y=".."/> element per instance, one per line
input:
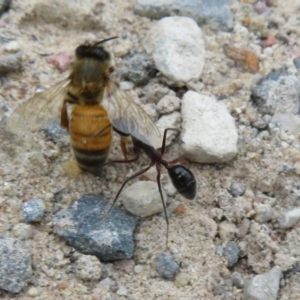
<point x="93" y="51"/>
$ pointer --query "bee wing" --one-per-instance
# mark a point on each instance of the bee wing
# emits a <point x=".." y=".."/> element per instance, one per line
<point x="31" y="114"/>
<point x="127" y="116"/>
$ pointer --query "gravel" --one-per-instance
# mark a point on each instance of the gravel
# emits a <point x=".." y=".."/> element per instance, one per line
<point x="245" y="59"/>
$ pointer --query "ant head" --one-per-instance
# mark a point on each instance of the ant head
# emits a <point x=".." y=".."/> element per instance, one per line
<point x="183" y="180"/>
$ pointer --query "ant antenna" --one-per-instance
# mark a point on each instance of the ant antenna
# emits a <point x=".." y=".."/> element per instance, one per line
<point x="106" y="40"/>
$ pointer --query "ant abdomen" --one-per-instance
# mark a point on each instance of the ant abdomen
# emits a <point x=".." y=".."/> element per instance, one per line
<point x="183" y="180"/>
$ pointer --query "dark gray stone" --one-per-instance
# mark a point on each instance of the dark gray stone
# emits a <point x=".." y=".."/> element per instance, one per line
<point x="138" y="68"/>
<point x="231" y="253"/>
<point x="277" y="93"/>
<point x="166" y="266"/>
<point x="55" y="132"/>
<point x="15" y="264"/>
<point x="109" y="239"/>
<point x="33" y="210"/>
<point x="237" y="189"/>
<point x="215" y="13"/>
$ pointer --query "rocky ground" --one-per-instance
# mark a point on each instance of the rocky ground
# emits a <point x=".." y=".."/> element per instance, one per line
<point x="227" y="74"/>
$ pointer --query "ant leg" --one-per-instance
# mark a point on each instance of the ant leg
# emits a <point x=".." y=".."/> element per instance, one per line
<point x="163" y="147"/>
<point x="137" y="155"/>
<point x="123" y="144"/>
<point x="158" y="168"/>
<point x="120" y="190"/>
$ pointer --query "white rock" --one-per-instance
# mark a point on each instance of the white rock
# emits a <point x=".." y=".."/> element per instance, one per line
<point x="88" y="267"/>
<point x="289" y="123"/>
<point x="227" y="231"/>
<point x="289" y="218"/>
<point x="122" y="291"/>
<point x="264" y="213"/>
<point x="12" y="47"/>
<point x="168" y="104"/>
<point x="177" y="47"/>
<point x="142" y="198"/>
<point x="264" y="286"/>
<point x="138" y="269"/>
<point x="209" y="132"/>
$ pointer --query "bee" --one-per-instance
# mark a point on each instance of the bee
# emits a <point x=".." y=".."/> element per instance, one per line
<point x="88" y="102"/>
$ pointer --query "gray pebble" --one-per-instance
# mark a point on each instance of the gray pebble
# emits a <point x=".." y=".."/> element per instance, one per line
<point x="33" y="210"/>
<point x="237" y="189"/>
<point x="110" y="238"/>
<point x="264" y="286"/>
<point x="289" y="218"/>
<point x="264" y="213"/>
<point x="138" y="68"/>
<point x="277" y="93"/>
<point x="166" y="265"/>
<point x="237" y="280"/>
<point x="55" y="132"/>
<point x="219" y="290"/>
<point x="215" y="13"/>
<point x="231" y="253"/>
<point x="15" y="264"/>
<point x="297" y="63"/>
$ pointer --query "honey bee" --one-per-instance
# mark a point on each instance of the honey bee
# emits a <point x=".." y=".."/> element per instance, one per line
<point x="88" y="102"/>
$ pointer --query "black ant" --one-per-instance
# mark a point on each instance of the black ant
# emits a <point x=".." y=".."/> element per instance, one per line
<point x="182" y="178"/>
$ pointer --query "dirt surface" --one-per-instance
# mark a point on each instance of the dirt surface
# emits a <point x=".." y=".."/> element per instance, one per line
<point x="33" y="166"/>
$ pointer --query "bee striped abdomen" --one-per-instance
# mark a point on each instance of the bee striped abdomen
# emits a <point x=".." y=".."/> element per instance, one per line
<point x="91" y="136"/>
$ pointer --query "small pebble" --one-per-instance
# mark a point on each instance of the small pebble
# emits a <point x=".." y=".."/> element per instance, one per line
<point x="88" y="267"/>
<point x="237" y="280"/>
<point x="182" y="279"/>
<point x="138" y="269"/>
<point x="60" y="60"/>
<point x="12" y="47"/>
<point x="22" y="231"/>
<point x="33" y="210"/>
<point x="168" y="104"/>
<point x="237" y="189"/>
<point x="122" y="291"/>
<point x="227" y="230"/>
<point x="231" y="253"/>
<point x="33" y="292"/>
<point x="264" y="213"/>
<point x="166" y="266"/>
<point x="289" y="218"/>
<point x="142" y="198"/>
<point x="297" y="62"/>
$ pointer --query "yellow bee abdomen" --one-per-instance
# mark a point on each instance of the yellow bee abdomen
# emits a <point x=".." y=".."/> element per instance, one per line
<point x="91" y="136"/>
